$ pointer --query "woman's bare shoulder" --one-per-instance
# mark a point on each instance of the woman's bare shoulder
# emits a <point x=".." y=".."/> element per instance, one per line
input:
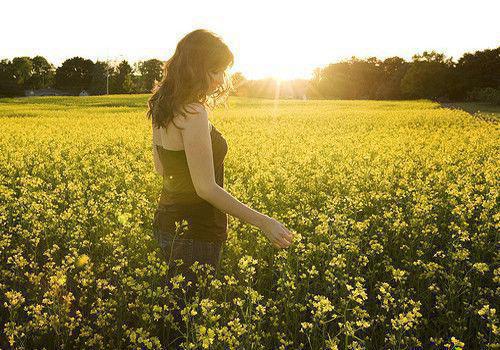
<point x="193" y="108"/>
<point x="191" y="113"/>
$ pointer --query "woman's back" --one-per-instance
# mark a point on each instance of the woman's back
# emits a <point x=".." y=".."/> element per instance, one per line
<point x="179" y="200"/>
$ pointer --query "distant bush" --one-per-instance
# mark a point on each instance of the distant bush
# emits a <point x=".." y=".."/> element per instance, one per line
<point x="488" y="94"/>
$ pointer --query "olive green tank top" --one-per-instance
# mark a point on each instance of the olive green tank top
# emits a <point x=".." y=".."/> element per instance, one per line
<point x="179" y="201"/>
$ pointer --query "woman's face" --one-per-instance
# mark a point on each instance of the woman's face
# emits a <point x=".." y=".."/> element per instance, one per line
<point x="216" y="78"/>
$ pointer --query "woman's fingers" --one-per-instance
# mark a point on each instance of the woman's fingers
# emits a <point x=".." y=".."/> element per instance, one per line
<point x="287" y="232"/>
<point x="283" y="239"/>
<point x="278" y="243"/>
<point x="288" y="235"/>
<point x="286" y="239"/>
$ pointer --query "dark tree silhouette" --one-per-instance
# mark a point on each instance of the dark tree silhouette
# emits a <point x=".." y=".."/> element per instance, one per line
<point x="476" y="77"/>
<point x="480" y="69"/>
<point x="74" y="75"/>
<point x="42" y="74"/>
<point x="122" y="79"/>
<point x="392" y="71"/>
<point x="150" y="71"/>
<point x="8" y="83"/>
<point x="22" y="68"/>
<point x="429" y="76"/>
<point x="98" y="83"/>
<point x="350" y="79"/>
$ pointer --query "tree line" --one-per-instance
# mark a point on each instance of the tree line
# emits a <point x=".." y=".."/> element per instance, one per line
<point x="431" y="75"/>
<point x="77" y="74"/>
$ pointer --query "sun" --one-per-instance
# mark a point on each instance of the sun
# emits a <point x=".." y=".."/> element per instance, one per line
<point x="286" y="74"/>
<point x="279" y="73"/>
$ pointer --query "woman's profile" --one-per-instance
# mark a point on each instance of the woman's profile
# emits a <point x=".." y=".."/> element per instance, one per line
<point x="190" y="222"/>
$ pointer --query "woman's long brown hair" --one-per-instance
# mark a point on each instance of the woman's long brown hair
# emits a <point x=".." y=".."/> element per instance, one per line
<point x="186" y="77"/>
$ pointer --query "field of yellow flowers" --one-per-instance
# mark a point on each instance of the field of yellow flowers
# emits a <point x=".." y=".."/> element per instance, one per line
<point x="395" y="205"/>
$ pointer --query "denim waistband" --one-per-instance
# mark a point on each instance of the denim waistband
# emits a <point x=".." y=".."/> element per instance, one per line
<point x="169" y="235"/>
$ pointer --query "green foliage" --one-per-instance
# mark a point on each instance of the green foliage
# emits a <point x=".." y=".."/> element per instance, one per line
<point x="122" y="82"/>
<point x="426" y="80"/>
<point x="151" y="71"/>
<point x="42" y="75"/>
<point x="74" y="75"/>
<point x="485" y="95"/>
<point x="430" y="75"/>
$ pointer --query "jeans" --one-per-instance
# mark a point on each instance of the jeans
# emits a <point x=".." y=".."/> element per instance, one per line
<point x="173" y="248"/>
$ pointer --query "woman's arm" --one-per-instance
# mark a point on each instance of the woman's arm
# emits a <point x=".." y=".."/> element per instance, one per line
<point x="220" y="198"/>
<point x="156" y="157"/>
<point x="157" y="162"/>
<point x="198" y="148"/>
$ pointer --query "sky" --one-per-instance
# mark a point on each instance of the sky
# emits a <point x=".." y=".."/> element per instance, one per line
<point x="281" y="39"/>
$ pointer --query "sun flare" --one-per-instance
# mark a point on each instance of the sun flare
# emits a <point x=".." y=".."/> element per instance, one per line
<point x="278" y="73"/>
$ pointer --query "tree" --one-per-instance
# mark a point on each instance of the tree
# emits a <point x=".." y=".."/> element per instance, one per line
<point x="312" y="90"/>
<point x="428" y="76"/>
<point x="365" y="75"/>
<point x="392" y="71"/>
<point x="350" y="79"/>
<point x="150" y="71"/>
<point x="42" y="74"/>
<point x="98" y="84"/>
<point x="22" y="68"/>
<point x="74" y="75"/>
<point x="122" y="78"/>
<point x="480" y="69"/>
<point x="238" y="82"/>
<point x="8" y="83"/>
<point x="334" y="82"/>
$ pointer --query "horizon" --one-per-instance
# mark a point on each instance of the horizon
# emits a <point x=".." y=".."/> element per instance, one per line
<point x="263" y="77"/>
<point x="265" y="45"/>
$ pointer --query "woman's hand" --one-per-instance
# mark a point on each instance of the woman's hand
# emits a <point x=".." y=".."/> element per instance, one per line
<point x="277" y="233"/>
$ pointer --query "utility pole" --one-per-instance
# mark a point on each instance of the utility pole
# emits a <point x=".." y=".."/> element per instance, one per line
<point x="107" y="80"/>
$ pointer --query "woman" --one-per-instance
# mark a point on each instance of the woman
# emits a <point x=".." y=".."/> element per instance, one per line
<point x="190" y="222"/>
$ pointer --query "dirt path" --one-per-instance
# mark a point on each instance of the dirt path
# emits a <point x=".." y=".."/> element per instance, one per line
<point x="487" y="112"/>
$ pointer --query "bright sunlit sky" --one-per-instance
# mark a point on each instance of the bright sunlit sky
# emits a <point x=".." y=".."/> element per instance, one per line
<point x="284" y="39"/>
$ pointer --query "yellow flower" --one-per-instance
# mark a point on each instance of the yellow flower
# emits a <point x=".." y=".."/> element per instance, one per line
<point x="481" y="267"/>
<point x="306" y="325"/>
<point x="206" y="336"/>
<point x="123" y="218"/>
<point x="14" y="299"/>
<point x="82" y="260"/>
